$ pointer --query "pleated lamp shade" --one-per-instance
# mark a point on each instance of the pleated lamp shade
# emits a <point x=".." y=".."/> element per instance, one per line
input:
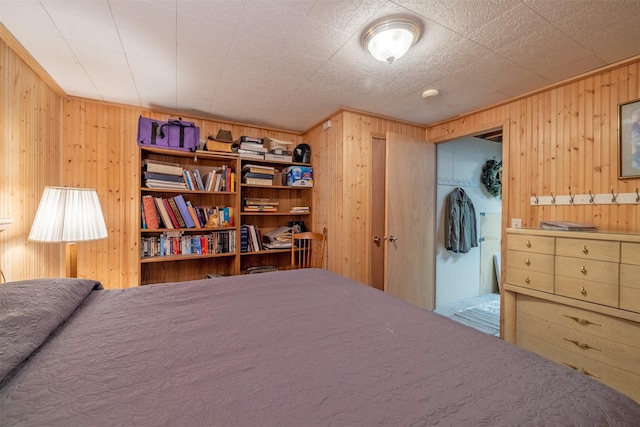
<point x="68" y="215"/>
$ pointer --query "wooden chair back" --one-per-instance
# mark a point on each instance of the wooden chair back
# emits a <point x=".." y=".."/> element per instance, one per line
<point x="303" y="248"/>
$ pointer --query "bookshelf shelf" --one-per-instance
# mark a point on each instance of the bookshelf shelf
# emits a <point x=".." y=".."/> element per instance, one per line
<point x="166" y="258"/>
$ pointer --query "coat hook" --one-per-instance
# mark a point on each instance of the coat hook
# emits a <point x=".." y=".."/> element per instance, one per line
<point x="615" y="196"/>
<point x="536" y="197"/>
<point x="571" y="196"/>
<point x="637" y="196"/>
<point x="553" y="199"/>
<point x="591" y="197"/>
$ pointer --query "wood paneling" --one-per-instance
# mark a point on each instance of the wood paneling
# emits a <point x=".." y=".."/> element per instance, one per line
<point x="342" y="192"/>
<point x="562" y="139"/>
<point x="30" y="125"/>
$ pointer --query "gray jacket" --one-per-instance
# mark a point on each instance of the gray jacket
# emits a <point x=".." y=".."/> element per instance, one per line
<point x="460" y="234"/>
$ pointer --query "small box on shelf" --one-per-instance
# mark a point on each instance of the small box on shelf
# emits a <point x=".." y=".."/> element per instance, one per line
<point x="298" y="176"/>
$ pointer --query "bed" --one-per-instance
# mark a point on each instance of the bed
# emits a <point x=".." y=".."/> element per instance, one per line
<point x="292" y="348"/>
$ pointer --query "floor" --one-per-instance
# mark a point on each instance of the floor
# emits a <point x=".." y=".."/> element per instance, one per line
<point x="450" y="308"/>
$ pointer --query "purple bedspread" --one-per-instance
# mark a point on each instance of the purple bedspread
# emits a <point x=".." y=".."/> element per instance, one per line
<point x="295" y="348"/>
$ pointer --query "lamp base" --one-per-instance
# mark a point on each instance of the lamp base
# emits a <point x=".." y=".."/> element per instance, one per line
<point x="71" y="267"/>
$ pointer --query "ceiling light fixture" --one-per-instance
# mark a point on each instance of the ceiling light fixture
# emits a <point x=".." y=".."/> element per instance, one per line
<point x="430" y="93"/>
<point x="390" y="38"/>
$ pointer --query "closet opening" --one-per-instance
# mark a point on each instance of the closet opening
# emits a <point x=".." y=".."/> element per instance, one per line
<point x="468" y="264"/>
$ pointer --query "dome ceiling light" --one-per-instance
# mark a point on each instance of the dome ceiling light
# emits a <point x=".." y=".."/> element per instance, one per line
<point x="390" y="38"/>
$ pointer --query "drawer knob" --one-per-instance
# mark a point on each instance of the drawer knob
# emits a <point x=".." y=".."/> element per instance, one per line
<point x="582" y="321"/>
<point x="528" y="243"/>
<point x="581" y="345"/>
<point x="585" y="250"/>
<point x="527" y="280"/>
<point x="583" y="291"/>
<point x="527" y="261"/>
<point x="583" y="270"/>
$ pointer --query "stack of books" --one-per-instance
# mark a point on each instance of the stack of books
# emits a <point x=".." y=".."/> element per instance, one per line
<point x="300" y="209"/>
<point x="250" y="238"/>
<point x="165" y="175"/>
<point x="253" y="204"/>
<point x="251" y="148"/>
<point x="258" y="174"/>
<point x="280" y="238"/>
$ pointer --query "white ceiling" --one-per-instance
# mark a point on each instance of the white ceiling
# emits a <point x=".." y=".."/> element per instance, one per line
<point x="288" y="64"/>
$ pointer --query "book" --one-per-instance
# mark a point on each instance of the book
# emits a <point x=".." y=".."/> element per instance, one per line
<point x="151" y="216"/>
<point x="258" y="181"/>
<point x="257" y="175"/>
<point x="188" y="179"/>
<point x="260" y="209"/>
<point x="280" y="157"/>
<point x="261" y="201"/>
<point x="184" y="211"/>
<point x="173" y="214"/>
<point x="198" y="178"/>
<point x="166" y="219"/>
<point x="258" y="168"/>
<point x="158" y="166"/>
<point x="167" y="185"/>
<point x="162" y="177"/>
<point x="248" y="154"/>
<point x="244" y="238"/>
<point x="193" y="215"/>
<point x="567" y="226"/>
<point x="219" y="146"/>
<point x="253" y="147"/>
<point x="300" y="209"/>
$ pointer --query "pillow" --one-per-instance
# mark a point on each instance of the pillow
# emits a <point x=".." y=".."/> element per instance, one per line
<point x="30" y="310"/>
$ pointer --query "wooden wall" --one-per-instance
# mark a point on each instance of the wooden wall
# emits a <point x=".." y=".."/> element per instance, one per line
<point x="342" y="193"/>
<point x="30" y="155"/>
<point x="561" y="139"/>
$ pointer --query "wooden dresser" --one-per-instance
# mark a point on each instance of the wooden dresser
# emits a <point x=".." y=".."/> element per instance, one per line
<point x="574" y="297"/>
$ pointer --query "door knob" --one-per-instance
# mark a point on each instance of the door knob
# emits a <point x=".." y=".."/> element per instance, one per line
<point x="376" y="240"/>
<point x="393" y="239"/>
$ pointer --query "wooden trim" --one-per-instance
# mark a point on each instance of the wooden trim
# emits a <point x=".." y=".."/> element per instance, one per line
<point x="476" y="130"/>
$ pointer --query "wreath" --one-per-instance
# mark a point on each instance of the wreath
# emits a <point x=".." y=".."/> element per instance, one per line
<point x="492" y="177"/>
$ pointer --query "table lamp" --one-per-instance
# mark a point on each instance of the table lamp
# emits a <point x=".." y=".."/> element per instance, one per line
<point x="68" y="215"/>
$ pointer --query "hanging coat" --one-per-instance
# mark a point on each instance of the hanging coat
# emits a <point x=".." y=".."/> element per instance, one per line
<point x="460" y="234"/>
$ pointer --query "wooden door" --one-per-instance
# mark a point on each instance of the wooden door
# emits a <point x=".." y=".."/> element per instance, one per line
<point x="410" y="222"/>
<point x="378" y="176"/>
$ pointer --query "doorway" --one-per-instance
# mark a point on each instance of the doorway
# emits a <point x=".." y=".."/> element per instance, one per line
<point x="466" y="279"/>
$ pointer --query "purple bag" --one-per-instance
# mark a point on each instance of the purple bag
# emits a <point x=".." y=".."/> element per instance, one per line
<point x="172" y="134"/>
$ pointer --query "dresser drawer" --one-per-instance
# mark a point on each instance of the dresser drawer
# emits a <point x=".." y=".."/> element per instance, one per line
<point x="623" y="381"/>
<point x="584" y="269"/>
<point x="530" y="279"/>
<point x="630" y="253"/>
<point x="630" y="287"/>
<point x="584" y="321"/>
<point x="594" y="292"/>
<point x="588" y="249"/>
<point x="530" y="261"/>
<point x="580" y="342"/>
<point x="527" y="243"/>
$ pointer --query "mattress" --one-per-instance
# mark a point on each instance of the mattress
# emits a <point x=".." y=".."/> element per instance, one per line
<point x="294" y="348"/>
